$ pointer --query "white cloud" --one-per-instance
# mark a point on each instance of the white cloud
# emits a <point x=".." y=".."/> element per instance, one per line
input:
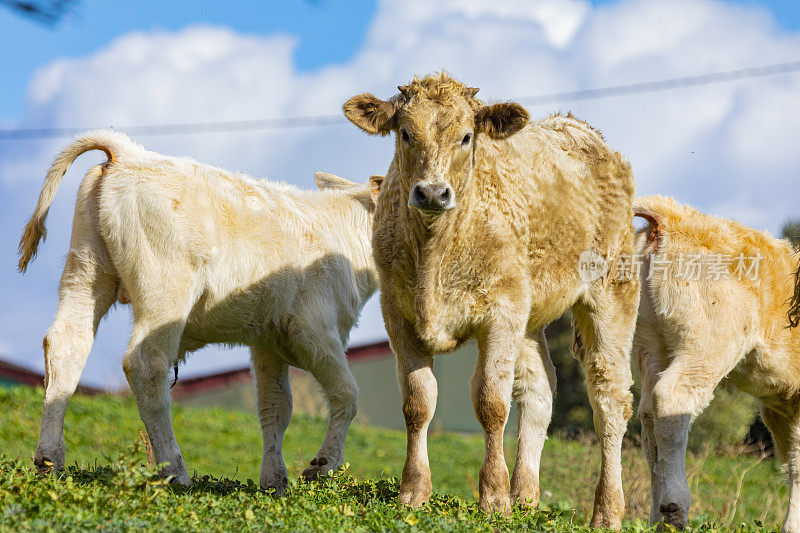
<point x="726" y="148"/>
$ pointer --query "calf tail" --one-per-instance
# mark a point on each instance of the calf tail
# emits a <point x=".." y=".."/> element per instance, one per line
<point x="653" y="219"/>
<point x="794" y="306"/>
<point x="112" y="143"/>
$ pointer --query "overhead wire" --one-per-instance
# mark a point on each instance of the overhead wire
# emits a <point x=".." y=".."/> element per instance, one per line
<point x="12" y="134"/>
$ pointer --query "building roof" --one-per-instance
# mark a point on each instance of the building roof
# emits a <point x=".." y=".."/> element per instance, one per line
<point x="31" y="378"/>
<point x="187" y="387"/>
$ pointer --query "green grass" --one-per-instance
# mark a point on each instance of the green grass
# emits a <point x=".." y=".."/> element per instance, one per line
<point x="111" y="486"/>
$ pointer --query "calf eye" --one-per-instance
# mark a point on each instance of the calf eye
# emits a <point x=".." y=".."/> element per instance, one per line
<point x="404" y="135"/>
<point x="467" y="138"/>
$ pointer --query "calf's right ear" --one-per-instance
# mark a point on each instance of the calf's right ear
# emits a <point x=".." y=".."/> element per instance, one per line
<point x="375" y="184"/>
<point x="370" y="113"/>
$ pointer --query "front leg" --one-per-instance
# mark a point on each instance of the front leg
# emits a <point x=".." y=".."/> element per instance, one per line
<point x="419" y="390"/>
<point x="492" y="383"/>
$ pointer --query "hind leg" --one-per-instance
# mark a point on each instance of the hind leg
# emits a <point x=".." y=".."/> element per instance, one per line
<point x="274" y="401"/>
<point x="325" y="359"/>
<point x="650" y="365"/>
<point x="534" y="387"/>
<point x="151" y="354"/>
<point x="605" y="322"/>
<point x="648" y="353"/>
<point x="680" y="394"/>
<point x="159" y="317"/>
<point x="87" y="291"/>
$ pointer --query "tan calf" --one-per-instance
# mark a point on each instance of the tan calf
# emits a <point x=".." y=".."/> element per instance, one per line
<point x="206" y="256"/>
<point x="715" y="297"/>
<point x="479" y="229"/>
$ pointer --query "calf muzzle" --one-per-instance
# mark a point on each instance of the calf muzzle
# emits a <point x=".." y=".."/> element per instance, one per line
<point x="435" y="197"/>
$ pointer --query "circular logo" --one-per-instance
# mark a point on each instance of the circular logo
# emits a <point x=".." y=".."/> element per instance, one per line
<point x="591" y="266"/>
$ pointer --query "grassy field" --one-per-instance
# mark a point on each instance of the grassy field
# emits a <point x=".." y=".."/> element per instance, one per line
<point x="110" y="485"/>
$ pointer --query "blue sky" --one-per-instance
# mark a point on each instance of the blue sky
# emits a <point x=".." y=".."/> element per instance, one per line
<point x="729" y="149"/>
<point x="326" y="32"/>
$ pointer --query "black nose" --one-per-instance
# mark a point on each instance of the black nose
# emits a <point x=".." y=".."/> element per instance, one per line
<point x="432" y="197"/>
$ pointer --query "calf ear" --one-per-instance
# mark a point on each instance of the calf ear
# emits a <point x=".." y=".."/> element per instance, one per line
<point x="499" y="121"/>
<point x="370" y="113"/>
<point x="368" y="194"/>
<point x="326" y="180"/>
<point x="375" y="184"/>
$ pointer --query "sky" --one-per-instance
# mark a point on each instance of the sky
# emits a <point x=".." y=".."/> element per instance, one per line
<point x="729" y="149"/>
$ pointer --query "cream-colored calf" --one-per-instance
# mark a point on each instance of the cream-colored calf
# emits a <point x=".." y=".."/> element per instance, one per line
<point x="207" y="256"/>
<point x="714" y="303"/>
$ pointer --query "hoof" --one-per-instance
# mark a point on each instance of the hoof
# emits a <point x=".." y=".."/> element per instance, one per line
<point x="606" y="523"/>
<point x="179" y="479"/>
<point x="529" y="503"/>
<point x="279" y="486"/>
<point x="601" y="520"/>
<point x="672" y="515"/>
<point x="415" y="495"/>
<point x="496" y="504"/>
<point x="609" y="508"/>
<point x="319" y="467"/>
<point x="45" y="465"/>
<point x="528" y="498"/>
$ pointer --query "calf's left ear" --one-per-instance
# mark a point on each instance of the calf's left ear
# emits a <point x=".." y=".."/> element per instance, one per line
<point x="326" y="180"/>
<point x="368" y="193"/>
<point x="500" y="121"/>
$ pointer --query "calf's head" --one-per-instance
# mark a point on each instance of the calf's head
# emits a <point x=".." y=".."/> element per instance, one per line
<point x="437" y="122"/>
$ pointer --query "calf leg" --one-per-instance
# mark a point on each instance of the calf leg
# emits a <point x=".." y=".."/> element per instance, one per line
<point x="650" y="366"/>
<point x="418" y="389"/>
<point x="648" y="352"/>
<point x="151" y="354"/>
<point x="786" y="435"/>
<point x="274" y="401"/>
<point x="85" y="295"/>
<point x="326" y="361"/>
<point x="681" y="393"/>
<point x="534" y="387"/>
<point x="605" y="324"/>
<point x="492" y="384"/>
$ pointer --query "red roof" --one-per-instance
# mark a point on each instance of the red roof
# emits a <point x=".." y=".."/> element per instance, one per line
<point x="369" y="351"/>
<point x="187" y="387"/>
<point x="24" y="376"/>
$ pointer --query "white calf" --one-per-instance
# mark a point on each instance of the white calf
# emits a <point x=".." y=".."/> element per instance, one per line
<point x="714" y="303"/>
<point x="207" y="256"/>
